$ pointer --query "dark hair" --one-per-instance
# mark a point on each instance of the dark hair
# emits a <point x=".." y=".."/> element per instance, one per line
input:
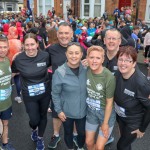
<point x="63" y="24"/>
<point x="30" y="24"/>
<point x="76" y="44"/>
<point x="52" y="36"/>
<point x="30" y="35"/>
<point x="128" y="51"/>
<point x="136" y="28"/>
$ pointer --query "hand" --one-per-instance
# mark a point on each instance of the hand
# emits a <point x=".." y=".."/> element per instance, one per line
<point x="62" y="116"/>
<point x="138" y="132"/>
<point x="105" y="130"/>
<point x="84" y="62"/>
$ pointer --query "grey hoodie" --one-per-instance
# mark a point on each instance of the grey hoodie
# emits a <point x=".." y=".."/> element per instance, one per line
<point x="69" y="91"/>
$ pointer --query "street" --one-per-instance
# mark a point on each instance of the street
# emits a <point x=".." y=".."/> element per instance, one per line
<point x="19" y="131"/>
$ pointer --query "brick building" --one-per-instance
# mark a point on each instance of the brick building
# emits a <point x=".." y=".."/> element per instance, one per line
<point x="91" y="8"/>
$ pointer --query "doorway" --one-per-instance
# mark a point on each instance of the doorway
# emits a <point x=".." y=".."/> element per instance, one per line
<point x="123" y="3"/>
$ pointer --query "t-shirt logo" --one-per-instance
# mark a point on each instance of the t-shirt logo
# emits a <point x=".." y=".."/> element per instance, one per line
<point x="88" y="82"/>
<point x="99" y="87"/>
<point x="41" y="64"/>
<point x="1" y="72"/>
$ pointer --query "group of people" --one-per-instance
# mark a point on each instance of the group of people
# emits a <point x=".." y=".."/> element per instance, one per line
<point x="90" y="90"/>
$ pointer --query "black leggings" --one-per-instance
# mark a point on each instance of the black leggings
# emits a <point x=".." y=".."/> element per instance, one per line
<point x="68" y="131"/>
<point x="36" y="108"/>
<point x="147" y="51"/>
<point x="126" y="138"/>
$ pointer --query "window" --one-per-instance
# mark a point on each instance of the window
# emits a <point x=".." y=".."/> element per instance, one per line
<point x="86" y="10"/>
<point x="47" y="6"/>
<point x="97" y="8"/>
<point x="10" y="7"/>
<point x="98" y="1"/>
<point x="86" y="1"/>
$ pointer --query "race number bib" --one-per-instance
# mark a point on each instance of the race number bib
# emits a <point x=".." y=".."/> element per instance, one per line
<point x="120" y="111"/>
<point x="5" y="93"/>
<point x="93" y="104"/>
<point x="36" y="89"/>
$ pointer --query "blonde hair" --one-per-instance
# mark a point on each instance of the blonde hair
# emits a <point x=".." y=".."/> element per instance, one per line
<point x="95" y="48"/>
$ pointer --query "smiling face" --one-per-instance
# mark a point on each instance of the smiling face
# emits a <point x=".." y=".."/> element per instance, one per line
<point x="112" y="40"/>
<point x="74" y="55"/>
<point x="95" y="61"/>
<point x="126" y="65"/>
<point x="31" y="46"/>
<point x="3" y="49"/>
<point x="64" y="35"/>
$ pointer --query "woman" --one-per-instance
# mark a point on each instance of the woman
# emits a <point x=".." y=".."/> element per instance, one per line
<point x="32" y="65"/>
<point x="69" y="94"/>
<point x="147" y="46"/>
<point x="100" y="88"/>
<point x="132" y="104"/>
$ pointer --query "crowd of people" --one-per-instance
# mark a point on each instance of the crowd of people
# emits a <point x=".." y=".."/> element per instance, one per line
<point x="83" y="71"/>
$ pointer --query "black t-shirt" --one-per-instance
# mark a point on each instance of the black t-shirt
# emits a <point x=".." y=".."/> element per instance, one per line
<point x="33" y="70"/>
<point x="131" y="97"/>
<point x="57" y="55"/>
<point x="111" y="64"/>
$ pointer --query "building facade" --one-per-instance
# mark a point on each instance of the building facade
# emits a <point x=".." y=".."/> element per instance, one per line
<point x="91" y="8"/>
<point x="9" y="5"/>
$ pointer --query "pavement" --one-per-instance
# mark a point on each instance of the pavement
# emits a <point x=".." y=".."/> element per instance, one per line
<point x="19" y="131"/>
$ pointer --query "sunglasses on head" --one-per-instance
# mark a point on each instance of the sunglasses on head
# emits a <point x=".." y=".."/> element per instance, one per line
<point x="74" y="43"/>
<point x="2" y="36"/>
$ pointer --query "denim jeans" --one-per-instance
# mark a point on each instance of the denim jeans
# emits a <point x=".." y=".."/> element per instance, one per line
<point x="68" y="131"/>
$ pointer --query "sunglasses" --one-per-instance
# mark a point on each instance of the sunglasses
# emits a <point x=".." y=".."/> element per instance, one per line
<point x="2" y="36"/>
<point x="74" y="43"/>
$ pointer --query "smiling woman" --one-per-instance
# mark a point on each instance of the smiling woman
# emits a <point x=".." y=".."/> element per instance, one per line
<point x="32" y="64"/>
<point x="69" y="94"/>
<point x="132" y="103"/>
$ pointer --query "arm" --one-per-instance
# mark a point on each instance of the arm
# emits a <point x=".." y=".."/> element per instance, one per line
<point x="144" y="98"/>
<point x="56" y="95"/>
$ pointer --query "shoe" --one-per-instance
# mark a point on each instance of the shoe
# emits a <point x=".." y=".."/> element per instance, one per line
<point x="110" y="140"/>
<point x="40" y="144"/>
<point x="75" y="140"/>
<point x="18" y="99"/>
<point x="7" y="147"/>
<point x="80" y="149"/>
<point x="54" y="141"/>
<point x="34" y="135"/>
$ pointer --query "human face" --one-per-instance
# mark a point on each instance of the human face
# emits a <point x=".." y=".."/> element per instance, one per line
<point x="126" y="65"/>
<point x="112" y="40"/>
<point x="64" y="35"/>
<point x="3" y="49"/>
<point x="31" y="46"/>
<point x="95" y="61"/>
<point x="74" y="56"/>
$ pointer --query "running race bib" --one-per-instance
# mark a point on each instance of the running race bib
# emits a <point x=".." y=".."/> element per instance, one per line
<point x="5" y="93"/>
<point x="36" y="89"/>
<point x="93" y="104"/>
<point x="120" y="111"/>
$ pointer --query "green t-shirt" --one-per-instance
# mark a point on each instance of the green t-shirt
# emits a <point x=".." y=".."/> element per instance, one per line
<point x="100" y="87"/>
<point x="5" y="85"/>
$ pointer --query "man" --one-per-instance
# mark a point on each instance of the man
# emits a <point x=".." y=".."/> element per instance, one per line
<point x="112" y="41"/>
<point x="5" y="91"/>
<point x="58" y="57"/>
